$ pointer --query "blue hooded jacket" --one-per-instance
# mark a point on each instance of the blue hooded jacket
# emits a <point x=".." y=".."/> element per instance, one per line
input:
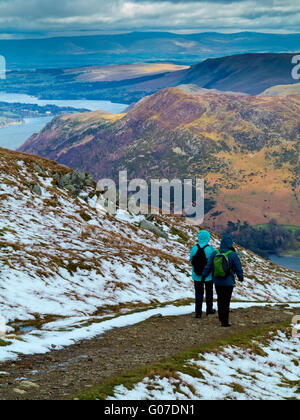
<point x="203" y="240"/>
<point x="234" y="261"/>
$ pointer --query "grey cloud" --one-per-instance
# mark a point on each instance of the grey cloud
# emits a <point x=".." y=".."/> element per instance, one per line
<point x="114" y="15"/>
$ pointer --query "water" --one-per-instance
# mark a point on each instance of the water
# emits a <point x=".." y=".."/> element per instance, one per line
<point x="288" y="262"/>
<point x="108" y="106"/>
<point x="13" y="136"/>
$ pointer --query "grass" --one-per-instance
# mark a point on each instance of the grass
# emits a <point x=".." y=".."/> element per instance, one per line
<point x="237" y="388"/>
<point x="179" y="363"/>
<point x="182" y="237"/>
<point x="4" y="343"/>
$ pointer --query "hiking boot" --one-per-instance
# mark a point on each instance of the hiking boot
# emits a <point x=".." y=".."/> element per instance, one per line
<point x="226" y="325"/>
<point x="198" y="316"/>
<point x="212" y="312"/>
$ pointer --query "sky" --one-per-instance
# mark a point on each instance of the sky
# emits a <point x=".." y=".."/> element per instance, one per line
<point x="20" y="18"/>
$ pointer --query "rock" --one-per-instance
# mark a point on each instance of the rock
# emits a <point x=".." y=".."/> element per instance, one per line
<point x="77" y="178"/>
<point x="19" y="391"/>
<point x="25" y="385"/>
<point x="72" y="189"/>
<point x="89" y="181"/>
<point x="62" y="180"/>
<point x="36" y="189"/>
<point x="288" y="313"/>
<point x="38" y="169"/>
<point x="75" y="182"/>
<point x="144" y="224"/>
<point x="158" y="316"/>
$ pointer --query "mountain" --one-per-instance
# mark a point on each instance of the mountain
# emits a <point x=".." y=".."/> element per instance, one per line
<point x="126" y="48"/>
<point x="66" y="267"/>
<point x="246" y="73"/>
<point x="245" y="147"/>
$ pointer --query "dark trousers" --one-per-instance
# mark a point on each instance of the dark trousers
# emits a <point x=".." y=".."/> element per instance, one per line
<point x="224" y="298"/>
<point x="209" y="292"/>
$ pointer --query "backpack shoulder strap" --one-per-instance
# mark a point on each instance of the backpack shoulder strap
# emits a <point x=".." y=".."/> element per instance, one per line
<point x="228" y="253"/>
<point x="199" y="247"/>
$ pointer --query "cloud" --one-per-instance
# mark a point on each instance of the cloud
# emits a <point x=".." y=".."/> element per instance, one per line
<point x="173" y="15"/>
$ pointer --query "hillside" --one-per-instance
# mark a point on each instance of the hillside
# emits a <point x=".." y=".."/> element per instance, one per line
<point x="245" y="147"/>
<point x="262" y="368"/>
<point x="282" y="90"/>
<point x="65" y="267"/>
<point x="247" y="73"/>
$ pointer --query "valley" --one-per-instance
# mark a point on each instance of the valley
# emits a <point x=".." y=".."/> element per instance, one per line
<point x="245" y="147"/>
<point x="92" y="287"/>
<point x="27" y="115"/>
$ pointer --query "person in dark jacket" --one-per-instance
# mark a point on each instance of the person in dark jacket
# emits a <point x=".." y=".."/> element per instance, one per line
<point x="225" y="285"/>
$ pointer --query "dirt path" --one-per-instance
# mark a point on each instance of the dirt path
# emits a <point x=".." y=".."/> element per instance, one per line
<point x="63" y="373"/>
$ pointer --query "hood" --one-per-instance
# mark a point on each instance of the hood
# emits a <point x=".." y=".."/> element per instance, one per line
<point x="204" y="238"/>
<point x="226" y="243"/>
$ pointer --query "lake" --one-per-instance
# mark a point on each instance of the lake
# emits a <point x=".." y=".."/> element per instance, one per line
<point x="288" y="262"/>
<point x="77" y="103"/>
<point x="13" y="136"/>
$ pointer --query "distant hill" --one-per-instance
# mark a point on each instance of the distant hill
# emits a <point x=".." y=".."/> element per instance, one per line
<point x="246" y="73"/>
<point x="76" y="51"/>
<point x="282" y="90"/>
<point x="245" y="147"/>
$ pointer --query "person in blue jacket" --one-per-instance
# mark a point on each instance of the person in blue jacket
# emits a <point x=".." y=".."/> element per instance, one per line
<point x="203" y="241"/>
<point x="225" y="285"/>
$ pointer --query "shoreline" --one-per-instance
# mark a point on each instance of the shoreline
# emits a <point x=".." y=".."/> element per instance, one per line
<point x="284" y="256"/>
<point x="9" y="124"/>
<point x="289" y="262"/>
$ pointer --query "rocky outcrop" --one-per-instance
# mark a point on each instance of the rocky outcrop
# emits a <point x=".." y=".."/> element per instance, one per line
<point x="74" y="182"/>
<point x="146" y="225"/>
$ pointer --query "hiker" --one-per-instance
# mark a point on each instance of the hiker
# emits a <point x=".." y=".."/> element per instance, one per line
<point x="224" y="264"/>
<point x="199" y="257"/>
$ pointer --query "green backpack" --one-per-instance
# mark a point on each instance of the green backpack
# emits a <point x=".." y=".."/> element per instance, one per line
<point x="222" y="264"/>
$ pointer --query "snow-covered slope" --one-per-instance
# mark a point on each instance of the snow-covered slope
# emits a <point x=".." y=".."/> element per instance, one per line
<point x="65" y="265"/>
<point x="267" y="372"/>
